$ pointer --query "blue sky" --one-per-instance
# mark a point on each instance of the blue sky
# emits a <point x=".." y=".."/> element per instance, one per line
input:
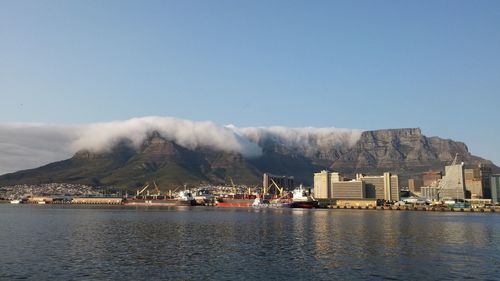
<point x="350" y="64"/>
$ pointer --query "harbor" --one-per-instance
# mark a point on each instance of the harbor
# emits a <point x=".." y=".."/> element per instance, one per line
<point x="449" y="192"/>
<point x="242" y="203"/>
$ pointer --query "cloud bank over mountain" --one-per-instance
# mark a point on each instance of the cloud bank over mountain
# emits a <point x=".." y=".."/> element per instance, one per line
<point x="29" y="145"/>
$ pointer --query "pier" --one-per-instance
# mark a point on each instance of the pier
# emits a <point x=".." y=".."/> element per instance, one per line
<point x="416" y="208"/>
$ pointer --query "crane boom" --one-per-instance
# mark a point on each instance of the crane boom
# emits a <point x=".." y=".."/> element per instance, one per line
<point x="139" y="192"/>
<point x="156" y="188"/>
<point x="280" y="189"/>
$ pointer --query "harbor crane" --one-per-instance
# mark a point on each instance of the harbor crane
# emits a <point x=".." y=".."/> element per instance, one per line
<point x="157" y="190"/>
<point x="279" y="189"/>
<point x="173" y="191"/>
<point x="139" y="192"/>
<point x="232" y="184"/>
<point x="145" y="188"/>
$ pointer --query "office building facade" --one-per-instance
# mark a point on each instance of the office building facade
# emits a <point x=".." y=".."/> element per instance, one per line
<point x="329" y="185"/>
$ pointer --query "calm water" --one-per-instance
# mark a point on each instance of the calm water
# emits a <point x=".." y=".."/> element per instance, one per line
<point x="89" y="243"/>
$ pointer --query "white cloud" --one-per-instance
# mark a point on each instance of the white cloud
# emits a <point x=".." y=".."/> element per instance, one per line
<point x="24" y="145"/>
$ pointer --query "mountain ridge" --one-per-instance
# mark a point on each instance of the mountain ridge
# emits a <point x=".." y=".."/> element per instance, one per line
<point x="404" y="151"/>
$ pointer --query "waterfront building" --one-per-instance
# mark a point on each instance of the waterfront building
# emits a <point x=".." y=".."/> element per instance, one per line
<point x="477" y="181"/>
<point x="348" y="189"/>
<point x="331" y="185"/>
<point x="381" y="187"/>
<point x="495" y="188"/>
<point x="473" y="183"/>
<point x="452" y="185"/>
<point x="322" y="185"/>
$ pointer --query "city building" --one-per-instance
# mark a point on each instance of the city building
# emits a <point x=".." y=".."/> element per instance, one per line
<point x="348" y="189"/>
<point x="477" y="181"/>
<point x="452" y="185"/>
<point x="328" y="185"/>
<point x="322" y="185"/>
<point x="414" y="185"/>
<point x="431" y="178"/>
<point x="381" y="187"/>
<point x="495" y="188"/>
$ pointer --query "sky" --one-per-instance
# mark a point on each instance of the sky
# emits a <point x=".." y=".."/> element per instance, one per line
<point x="346" y="64"/>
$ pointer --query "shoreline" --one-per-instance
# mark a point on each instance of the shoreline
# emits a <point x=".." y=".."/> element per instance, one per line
<point x="328" y="207"/>
<point x="418" y="209"/>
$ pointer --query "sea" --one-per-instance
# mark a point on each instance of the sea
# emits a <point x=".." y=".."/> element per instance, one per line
<point x="67" y="242"/>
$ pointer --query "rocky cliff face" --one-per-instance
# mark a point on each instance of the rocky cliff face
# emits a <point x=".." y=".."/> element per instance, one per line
<point x="403" y="151"/>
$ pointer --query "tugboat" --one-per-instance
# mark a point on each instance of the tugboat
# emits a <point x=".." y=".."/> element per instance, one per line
<point x="186" y="199"/>
<point x="302" y="198"/>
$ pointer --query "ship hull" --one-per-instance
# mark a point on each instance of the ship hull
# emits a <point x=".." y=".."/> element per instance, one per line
<point x="305" y="205"/>
<point x="161" y="203"/>
<point x="186" y="203"/>
<point x="235" y="203"/>
<point x="272" y="206"/>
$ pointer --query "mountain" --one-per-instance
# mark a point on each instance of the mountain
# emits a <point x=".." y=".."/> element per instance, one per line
<point x="405" y="152"/>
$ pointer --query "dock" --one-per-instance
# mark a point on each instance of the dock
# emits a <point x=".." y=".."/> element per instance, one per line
<point x="416" y="208"/>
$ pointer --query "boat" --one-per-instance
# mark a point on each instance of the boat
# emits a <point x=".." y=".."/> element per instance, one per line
<point x="302" y="198"/>
<point x="15" y="201"/>
<point x="186" y="199"/>
<point x="260" y="202"/>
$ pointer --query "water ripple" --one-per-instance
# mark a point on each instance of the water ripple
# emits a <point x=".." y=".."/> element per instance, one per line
<point x="103" y="243"/>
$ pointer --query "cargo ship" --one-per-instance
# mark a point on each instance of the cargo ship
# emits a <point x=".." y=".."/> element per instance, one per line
<point x="184" y="199"/>
<point x="143" y="198"/>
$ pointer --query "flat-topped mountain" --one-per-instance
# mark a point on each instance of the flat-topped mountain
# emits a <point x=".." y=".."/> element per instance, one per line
<point x="402" y="151"/>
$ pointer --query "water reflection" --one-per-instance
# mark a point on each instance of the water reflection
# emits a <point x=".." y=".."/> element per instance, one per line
<point x="209" y="243"/>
